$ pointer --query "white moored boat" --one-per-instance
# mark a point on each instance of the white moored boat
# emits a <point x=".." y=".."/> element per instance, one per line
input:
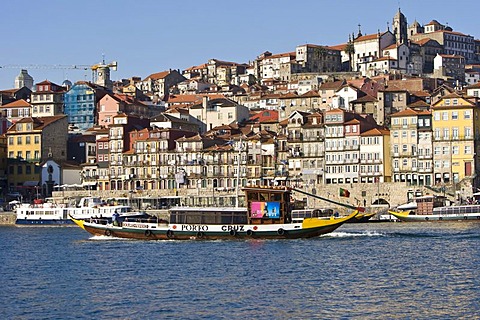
<point x="49" y="213"/>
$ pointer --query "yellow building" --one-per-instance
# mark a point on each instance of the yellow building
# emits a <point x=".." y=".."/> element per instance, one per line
<point x="455" y="125"/>
<point x="31" y="141"/>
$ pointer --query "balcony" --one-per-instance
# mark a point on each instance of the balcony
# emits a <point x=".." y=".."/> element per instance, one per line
<point x="349" y="147"/>
<point x="423" y="156"/>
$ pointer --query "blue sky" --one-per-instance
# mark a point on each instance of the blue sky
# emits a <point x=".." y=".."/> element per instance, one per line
<point x="154" y="35"/>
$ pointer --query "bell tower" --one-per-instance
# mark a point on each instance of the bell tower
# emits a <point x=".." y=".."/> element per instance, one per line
<point x="400" y="27"/>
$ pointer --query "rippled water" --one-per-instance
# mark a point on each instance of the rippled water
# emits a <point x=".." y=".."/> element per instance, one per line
<point x="362" y="271"/>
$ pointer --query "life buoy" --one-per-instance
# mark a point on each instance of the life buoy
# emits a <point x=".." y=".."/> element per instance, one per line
<point x="148" y="233"/>
<point x="250" y="232"/>
<point x="478" y="217"/>
<point x="108" y="233"/>
<point x="169" y="234"/>
<point x="200" y="234"/>
<point x="465" y="218"/>
<point x="233" y="232"/>
<point x="440" y="218"/>
<point x="426" y="218"/>
<point x="281" y="231"/>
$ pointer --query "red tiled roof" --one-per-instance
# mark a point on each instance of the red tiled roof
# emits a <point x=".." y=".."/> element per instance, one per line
<point x="407" y="112"/>
<point x="16" y="104"/>
<point x="392" y="46"/>
<point x="367" y="37"/>
<point x="376" y="132"/>
<point x="158" y="75"/>
<point x="339" y="47"/>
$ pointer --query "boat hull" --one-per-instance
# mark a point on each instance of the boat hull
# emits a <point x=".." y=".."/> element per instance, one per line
<point x="408" y="217"/>
<point x="362" y="217"/>
<point x="312" y="227"/>
<point x="44" y="222"/>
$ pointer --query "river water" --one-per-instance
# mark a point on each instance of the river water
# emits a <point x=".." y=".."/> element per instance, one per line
<point x="361" y="271"/>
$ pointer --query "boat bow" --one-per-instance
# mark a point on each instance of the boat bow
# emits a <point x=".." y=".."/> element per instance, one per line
<point x="79" y="223"/>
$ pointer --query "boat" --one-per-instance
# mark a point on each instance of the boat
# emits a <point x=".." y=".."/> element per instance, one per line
<point x="267" y="216"/>
<point x="362" y="217"/>
<point x="51" y="213"/>
<point x="446" y="213"/>
<point x="330" y="214"/>
<point x="435" y="208"/>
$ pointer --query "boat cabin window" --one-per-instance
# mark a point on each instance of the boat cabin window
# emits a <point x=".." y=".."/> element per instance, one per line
<point x="183" y="216"/>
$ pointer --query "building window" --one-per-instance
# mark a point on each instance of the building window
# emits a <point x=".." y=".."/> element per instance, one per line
<point x="454" y="133"/>
<point x="467" y="114"/>
<point x="445" y="133"/>
<point x="468" y="150"/>
<point x="445" y="116"/>
<point x="468" y="132"/>
<point x="455" y="115"/>
<point x="19" y="140"/>
<point x="36" y="139"/>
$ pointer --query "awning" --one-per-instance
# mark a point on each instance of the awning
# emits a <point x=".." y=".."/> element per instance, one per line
<point x="30" y="184"/>
<point x="89" y="183"/>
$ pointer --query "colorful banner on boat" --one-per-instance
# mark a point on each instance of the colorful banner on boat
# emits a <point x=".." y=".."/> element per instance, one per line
<point x="265" y="210"/>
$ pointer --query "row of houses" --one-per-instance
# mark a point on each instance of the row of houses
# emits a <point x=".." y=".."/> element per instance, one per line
<point x="437" y="146"/>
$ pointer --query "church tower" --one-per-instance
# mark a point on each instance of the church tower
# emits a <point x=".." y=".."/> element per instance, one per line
<point x="400" y="27"/>
<point x="24" y="80"/>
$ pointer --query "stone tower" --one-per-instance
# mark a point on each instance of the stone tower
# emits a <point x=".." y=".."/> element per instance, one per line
<point x="24" y="80"/>
<point x="414" y="29"/>
<point x="400" y="27"/>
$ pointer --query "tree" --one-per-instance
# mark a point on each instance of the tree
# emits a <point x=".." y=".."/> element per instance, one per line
<point x="350" y="50"/>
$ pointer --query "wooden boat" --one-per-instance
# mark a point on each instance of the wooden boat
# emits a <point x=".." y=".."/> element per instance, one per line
<point x="330" y="214"/>
<point x="437" y="208"/>
<point x="446" y="213"/>
<point x="267" y="216"/>
<point x="362" y="217"/>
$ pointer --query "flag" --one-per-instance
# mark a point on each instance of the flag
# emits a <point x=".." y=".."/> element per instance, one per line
<point x="344" y="193"/>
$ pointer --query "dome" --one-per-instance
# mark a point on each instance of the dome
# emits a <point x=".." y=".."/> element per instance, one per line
<point x="66" y="83"/>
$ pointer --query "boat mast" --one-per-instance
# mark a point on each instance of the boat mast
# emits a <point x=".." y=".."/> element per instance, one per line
<point x="346" y="205"/>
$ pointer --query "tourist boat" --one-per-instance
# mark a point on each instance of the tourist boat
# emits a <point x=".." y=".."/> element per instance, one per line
<point x="50" y="213"/>
<point x="447" y="213"/>
<point x="436" y="208"/>
<point x="267" y="216"/>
